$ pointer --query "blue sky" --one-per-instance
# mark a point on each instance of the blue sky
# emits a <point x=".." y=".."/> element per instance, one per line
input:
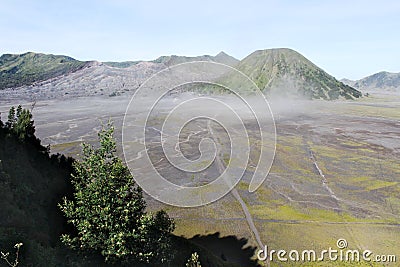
<point x="349" y="39"/>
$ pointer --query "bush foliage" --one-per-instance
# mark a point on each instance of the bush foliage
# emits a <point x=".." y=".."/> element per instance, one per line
<point x="108" y="209"/>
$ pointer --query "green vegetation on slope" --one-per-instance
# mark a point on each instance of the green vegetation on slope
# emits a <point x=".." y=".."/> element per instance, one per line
<point x="286" y="72"/>
<point x="28" y="68"/>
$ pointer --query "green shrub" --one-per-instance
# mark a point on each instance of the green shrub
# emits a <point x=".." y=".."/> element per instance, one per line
<point x="108" y="209"/>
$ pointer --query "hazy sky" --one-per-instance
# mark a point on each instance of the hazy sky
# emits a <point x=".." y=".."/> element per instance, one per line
<point x="349" y="39"/>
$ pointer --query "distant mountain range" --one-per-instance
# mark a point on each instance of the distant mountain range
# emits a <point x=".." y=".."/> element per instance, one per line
<point x="379" y="82"/>
<point x="275" y="71"/>
<point x="221" y="57"/>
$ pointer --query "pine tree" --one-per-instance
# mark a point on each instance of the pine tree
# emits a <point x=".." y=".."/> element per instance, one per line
<point x="20" y="123"/>
<point x="24" y="126"/>
<point x="11" y="118"/>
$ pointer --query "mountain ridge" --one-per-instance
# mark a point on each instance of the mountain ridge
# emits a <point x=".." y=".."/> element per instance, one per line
<point x="28" y="68"/>
<point x="284" y="71"/>
<point x="170" y="60"/>
<point x="382" y="81"/>
<point x="278" y="70"/>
